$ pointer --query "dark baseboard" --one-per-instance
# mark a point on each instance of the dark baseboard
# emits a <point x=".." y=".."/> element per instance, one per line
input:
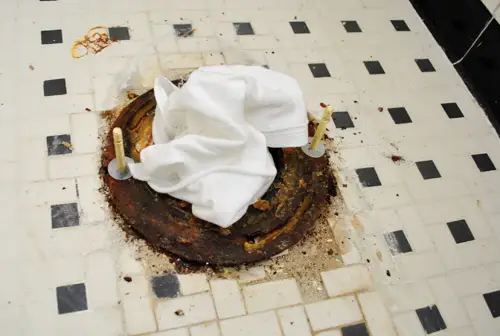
<point x="455" y="24"/>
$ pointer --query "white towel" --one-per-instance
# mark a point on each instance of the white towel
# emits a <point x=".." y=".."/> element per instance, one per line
<point x="211" y="138"/>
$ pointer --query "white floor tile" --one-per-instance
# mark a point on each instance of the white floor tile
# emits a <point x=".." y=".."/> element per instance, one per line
<point x="437" y="271"/>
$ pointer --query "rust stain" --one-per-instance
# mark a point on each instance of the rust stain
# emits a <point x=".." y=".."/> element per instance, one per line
<point x="302" y="184"/>
<point x="397" y="158"/>
<point x="192" y="221"/>
<point x="262" y="205"/>
<point x="289" y="226"/>
<point x="67" y="145"/>
<point x="95" y="41"/>
<point x="108" y="115"/>
<point x="225" y="231"/>
<point x="356" y="224"/>
<point x="132" y="95"/>
<point x="189" y="33"/>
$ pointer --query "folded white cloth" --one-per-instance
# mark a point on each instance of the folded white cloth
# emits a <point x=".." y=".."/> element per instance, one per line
<point x="211" y="138"/>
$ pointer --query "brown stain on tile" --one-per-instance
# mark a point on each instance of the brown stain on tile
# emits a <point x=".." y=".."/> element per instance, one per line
<point x="340" y="237"/>
<point x="95" y="41"/>
<point x="356" y="224"/>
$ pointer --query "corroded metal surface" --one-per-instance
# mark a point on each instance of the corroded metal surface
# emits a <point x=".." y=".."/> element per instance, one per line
<point x="298" y="195"/>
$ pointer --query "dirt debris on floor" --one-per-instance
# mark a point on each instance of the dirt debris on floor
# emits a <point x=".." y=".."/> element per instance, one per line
<point x="315" y="253"/>
<point x="395" y="158"/>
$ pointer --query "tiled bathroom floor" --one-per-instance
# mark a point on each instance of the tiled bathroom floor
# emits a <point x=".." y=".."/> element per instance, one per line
<point x="415" y="158"/>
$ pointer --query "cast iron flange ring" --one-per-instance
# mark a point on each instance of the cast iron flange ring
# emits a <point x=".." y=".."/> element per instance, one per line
<point x="291" y="206"/>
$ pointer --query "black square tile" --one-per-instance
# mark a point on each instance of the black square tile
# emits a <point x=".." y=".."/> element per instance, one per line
<point x="71" y="298"/>
<point x="59" y="144"/>
<point x="166" y="286"/>
<point x="342" y="120"/>
<point x="299" y="27"/>
<point x="399" y="115"/>
<point x="64" y="215"/>
<point x="319" y="70"/>
<point x="54" y="87"/>
<point x="182" y="29"/>
<point x="368" y="177"/>
<point x="425" y="65"/>
<point x="431" y="319"/>
<point x="483" y="162"/>
<point x="374" y="67"/>
<point x="400" y="25"/>
<point x="397" y="242"/>
<point x="460" y="231"/>
<point x="52" y="36"/>
<point x="493" y="301"/>
<point x="119" y="33"/>
<point x="243" y="28"/>
<point x="351" y="26"/>
<point x="355" y="330"/>
<point x="452" y="110"/>
<point x="428" y="169"/>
